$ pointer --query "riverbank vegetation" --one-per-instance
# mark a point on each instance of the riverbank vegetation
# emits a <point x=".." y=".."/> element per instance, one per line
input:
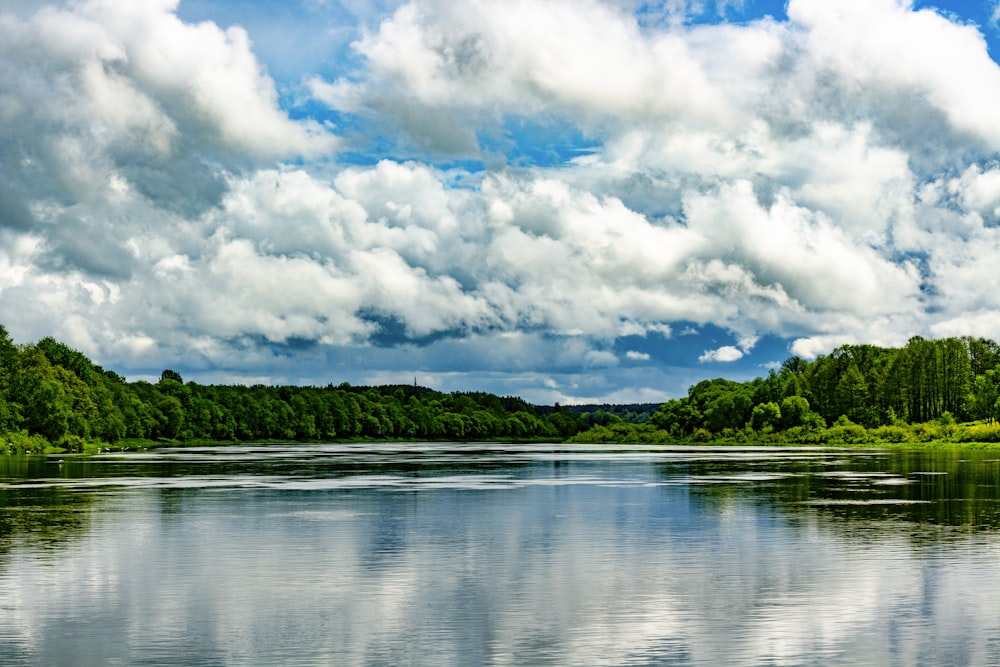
<point x="52" y="396"/>
<point x="930" y="391"/>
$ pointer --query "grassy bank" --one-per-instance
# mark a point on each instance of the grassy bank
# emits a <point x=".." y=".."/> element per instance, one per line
<point x="22" y="443"/>
<point x="937" y="434"/>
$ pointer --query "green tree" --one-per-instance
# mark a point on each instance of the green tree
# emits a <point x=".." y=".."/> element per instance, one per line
<point x="852" y="395"/>
<point x="794" y="411"/>
<point x="765" y="416"/>
<point x="983" y="396"/>
<point x="169" y="415"/>
<point x="46" y="407"/>
<point x="171" y="375"/>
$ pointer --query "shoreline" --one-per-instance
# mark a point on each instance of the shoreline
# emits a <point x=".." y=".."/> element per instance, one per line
<point x="134" y="445"/>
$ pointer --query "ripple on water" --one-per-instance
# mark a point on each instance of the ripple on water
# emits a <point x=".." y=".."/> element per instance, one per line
<point x="821" y="502"/>
<point x="739" y="478"/>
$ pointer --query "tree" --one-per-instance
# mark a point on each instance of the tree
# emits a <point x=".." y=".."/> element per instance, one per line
<point x="721" y="413"/>
<point x="765" y="416"/>
<point x="169" y="415"/>
<point x="984" y="395"/>
<point x="8" y="360"/>
<point x="852" y="394"/>
<point x="564" y="422"/>
<point x="984" y="355"/>
<point x="46" y="407"/>
<point x="168" y="374"/>
<point x="794" y="411"/>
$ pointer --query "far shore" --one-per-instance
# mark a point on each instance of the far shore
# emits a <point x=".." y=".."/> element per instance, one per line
<point x="873" y="442"/>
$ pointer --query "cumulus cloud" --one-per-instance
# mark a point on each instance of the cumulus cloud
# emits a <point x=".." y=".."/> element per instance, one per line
<point x="102" y="91"/>
<point x="824" y="179"/>
<point x="885" y="43"/>
<point x="441" y="69"/>
<point x="978" y="190"/>
<point x="730" y="353"/>
<point x="724" y="354"/>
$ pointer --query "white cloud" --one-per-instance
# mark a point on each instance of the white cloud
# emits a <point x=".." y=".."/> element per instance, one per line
<point x="978" y="190"/>
<point x="726" y="353"/>
<point x="439" y="68"/>
<point x="983" y="323"/>
<point x="813" y="346"/>
<point x="826" y="179"/>
<point x="884" y="47"/>
<point x="797" y="257"/>
<point x="135" y="70"/>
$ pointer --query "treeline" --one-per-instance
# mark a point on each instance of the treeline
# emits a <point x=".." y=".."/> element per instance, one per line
<point x="51" y="394"/>
<point x="856" y="393"/>
<point x="607" y="413"/>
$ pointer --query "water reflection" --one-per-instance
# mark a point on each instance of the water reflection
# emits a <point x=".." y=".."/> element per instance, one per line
<point x="344" y="555"/>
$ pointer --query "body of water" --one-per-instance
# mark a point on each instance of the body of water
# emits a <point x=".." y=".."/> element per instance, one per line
<point x="447" y="554"/>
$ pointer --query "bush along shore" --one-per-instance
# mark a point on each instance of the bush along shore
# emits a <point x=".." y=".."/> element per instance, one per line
<point x="943" y="432"/>
<point x="929" y="392"/>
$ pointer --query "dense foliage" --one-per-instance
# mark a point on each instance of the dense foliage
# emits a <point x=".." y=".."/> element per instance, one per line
<point x="606" y="413"/>
<point x="52" y="394"/>
<point x="858" y="393"/>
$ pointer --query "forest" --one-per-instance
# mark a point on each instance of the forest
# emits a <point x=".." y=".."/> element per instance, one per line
<point x="929" y="390"/>
<point x="52" y="396"/>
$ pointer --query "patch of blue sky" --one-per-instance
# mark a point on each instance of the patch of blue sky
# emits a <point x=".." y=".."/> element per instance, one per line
<point x="689" y="341"/>
<point x="531" y="142"/>
<point x="300" y="108"/>
<point x="741" y="11"/>
<point x="701" y="12"/>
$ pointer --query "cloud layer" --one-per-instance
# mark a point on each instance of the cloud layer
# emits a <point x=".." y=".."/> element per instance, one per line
<point x="501" y="195"/>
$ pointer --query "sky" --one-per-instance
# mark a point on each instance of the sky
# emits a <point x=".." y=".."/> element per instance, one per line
<point x="571" y="201"/>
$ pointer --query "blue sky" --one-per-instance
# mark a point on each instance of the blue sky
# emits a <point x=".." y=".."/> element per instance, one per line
<point x="596" y="200"/>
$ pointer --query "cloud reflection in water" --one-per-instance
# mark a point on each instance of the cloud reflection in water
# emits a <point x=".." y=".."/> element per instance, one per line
<point x="501" y="557"/>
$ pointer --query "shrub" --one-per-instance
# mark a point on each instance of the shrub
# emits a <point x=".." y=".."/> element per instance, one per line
<point x="846" y="434"/>
<point x="71" y="443"/>
<point x="814" y="421"/>
<point x="702" y="435"/>
<point x="895" y="434"/>
<point x="931" y="431"/>
<point x="979" y="433"/>
<point x="20" y="442"/>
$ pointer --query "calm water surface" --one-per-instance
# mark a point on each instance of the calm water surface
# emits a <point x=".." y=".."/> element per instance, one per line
<point x="451" y="554"/>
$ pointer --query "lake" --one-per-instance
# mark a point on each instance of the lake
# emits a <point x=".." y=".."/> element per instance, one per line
<point x="482" y="554"/>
